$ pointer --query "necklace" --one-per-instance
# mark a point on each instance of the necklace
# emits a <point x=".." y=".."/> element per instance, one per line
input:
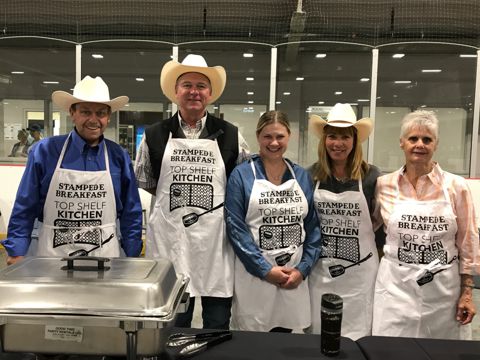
<point x="342" y="180"/>
<point x="276" y="176"/>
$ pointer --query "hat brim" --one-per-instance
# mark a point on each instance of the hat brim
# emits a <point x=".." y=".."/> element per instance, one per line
<point x="172" y="70"/>
<point x="364" y="126"/>
<point x="64" y="100"/>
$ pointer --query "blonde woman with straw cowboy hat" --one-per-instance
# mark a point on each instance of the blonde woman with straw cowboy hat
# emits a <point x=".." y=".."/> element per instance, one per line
<point x="344" y="191"/>
<point x="185" y="161"/>
<point x="79" y="186"/>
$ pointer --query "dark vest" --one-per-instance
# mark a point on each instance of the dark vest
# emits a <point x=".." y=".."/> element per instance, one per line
<point x="226" y="134"/>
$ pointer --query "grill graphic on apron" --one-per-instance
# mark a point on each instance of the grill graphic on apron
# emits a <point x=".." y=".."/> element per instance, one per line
<point x="421" y="257"/>
<point x="65" y="235"/>
<point x="187" y="194"/>
<point x="340" y="247"/>
<point x="279" y="236"/>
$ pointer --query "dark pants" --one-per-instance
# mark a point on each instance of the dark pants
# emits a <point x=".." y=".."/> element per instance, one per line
<point x="215" y="313"/>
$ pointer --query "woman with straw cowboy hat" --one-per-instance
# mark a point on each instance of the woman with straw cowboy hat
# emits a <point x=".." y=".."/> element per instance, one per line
<point x="344" y="191"/>
<point x="78" y="186"/>
<point x="185" y="161"/>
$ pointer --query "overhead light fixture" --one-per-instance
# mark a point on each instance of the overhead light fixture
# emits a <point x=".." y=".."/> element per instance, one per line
<point x="286" y="93"/>
<point x="249" y="78"/>
<point x="321" y="102"/>
<point x="338" y="92"/>
<point x="321" y="56"/>
<point x="431" y="70"/>
<point x="468" y="55"/>
<point x="247" y="55"/>
<point x="363" y="100"/>
<point x="17" y="72"/>
<point x="300" y="78"/>
<point x="250" y="102"/>
<point x="364" y="79"/>
<point x="278" y="102"/>
<point x="423" y="106"/>
<point x="402" y="82"/>
<point x="354" y="104"/>
<point x="398" y="56"/>
<point x="140" y="79"/>
<point x="51" y="82"/>
<point x="215" y="108"/>
<point x="97" y="56"/>
<point x="250" y="93"/>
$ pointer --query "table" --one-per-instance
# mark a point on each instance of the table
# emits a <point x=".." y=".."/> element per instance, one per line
<point x="397" y="348"/>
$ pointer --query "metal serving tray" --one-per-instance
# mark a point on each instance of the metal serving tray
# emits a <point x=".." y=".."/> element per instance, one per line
<point x="87" y="305"/>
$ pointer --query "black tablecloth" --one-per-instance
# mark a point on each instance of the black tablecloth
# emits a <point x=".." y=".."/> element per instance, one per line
<point x="395" y="348"/>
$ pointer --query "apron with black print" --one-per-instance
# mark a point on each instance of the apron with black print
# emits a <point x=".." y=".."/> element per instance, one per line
<point x="349" y="261"/>
<point x="187" y="224"/>
<point x="418" y="281"/>
<point x="79" y="216"/>
<point x="277" y="228"/>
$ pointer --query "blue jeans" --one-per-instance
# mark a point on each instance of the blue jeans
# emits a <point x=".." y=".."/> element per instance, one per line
<point x="215" y="313"/>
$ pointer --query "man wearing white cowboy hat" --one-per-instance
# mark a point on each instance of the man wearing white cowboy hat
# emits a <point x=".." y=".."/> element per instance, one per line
<point x="343" y="194"/>
<point x="78" y="186"/>
<point x="185" y="161"/>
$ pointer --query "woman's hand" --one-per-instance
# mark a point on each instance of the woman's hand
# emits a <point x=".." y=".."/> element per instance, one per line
<point x="466" y="307"/>
<point x="295" y="278"/>
<point x="13" y="259"/>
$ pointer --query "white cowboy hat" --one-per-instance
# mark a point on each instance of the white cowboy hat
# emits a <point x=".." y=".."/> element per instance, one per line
<point x="172" y="70"/>
<point x="89" y="90"/>
<point x="342" y="115"/>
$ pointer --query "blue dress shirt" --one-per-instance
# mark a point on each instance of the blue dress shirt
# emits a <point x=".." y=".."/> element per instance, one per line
<point x="35" y="182"/>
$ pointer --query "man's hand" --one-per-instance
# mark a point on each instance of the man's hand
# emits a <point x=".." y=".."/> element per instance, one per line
<point x="465" y="306"/>
<point x="13" y="259"/>
<point x="295" y="278"/>
<point x="277" y="276"/>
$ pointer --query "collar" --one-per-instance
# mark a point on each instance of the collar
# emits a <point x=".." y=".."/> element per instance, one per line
<point x="435" y="176"/>
<point x="81" y="145"/>
<point x="199" y="125"/>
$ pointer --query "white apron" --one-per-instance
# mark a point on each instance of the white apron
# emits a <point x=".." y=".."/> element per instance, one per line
<point x="187" y="223"/>
<point x="349" y="262"/>
<point x="279" y="232"/>
<point x="418" y="282"/>
<point x="79" y="215"/>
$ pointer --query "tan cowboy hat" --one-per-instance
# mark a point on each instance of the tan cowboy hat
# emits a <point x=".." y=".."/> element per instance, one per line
<point x="89" y="90"/>
<point x="172" y="70"/>
<point x="342" y="115"/>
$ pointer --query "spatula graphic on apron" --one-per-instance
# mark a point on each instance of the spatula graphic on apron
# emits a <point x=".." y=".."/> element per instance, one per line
<point x="83" y="252"/>
<point x="337" y="270"/>
<point x="192" y="218"/>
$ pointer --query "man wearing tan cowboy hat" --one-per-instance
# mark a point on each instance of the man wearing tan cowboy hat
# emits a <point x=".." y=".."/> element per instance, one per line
<point x="185" y="161"/>
<point x="343" y="194"/>
<point x="78" y="186"/>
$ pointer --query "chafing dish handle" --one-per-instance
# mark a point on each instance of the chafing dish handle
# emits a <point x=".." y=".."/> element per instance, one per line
<point x="71" y="266"/>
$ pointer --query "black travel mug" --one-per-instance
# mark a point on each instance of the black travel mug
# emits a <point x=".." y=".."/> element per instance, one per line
<point x="331" y="315"/>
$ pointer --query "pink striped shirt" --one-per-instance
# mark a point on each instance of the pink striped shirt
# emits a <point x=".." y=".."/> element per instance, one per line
<point x="429" y="187"/>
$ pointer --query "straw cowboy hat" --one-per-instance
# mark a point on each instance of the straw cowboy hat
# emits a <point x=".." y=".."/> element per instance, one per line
<point x="172" y="70"/>
<point x="342" y="115"/>
<point x="89" y="90"/>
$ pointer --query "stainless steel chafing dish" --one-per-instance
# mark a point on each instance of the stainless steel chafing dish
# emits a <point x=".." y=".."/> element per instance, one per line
<point x="88" y="305"/>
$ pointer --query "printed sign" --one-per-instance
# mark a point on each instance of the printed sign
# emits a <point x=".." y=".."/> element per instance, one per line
<point x="64" y="333"/>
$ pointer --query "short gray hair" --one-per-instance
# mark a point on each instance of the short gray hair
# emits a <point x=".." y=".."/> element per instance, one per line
<point x="420" y="118"/>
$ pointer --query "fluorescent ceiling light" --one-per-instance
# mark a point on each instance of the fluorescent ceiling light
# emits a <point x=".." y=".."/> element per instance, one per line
<point x="97" y="56"/>
<point x="249" y="78"/>
<point x="321" y="56"/>
<point x="18" y="72"/>
<point x="431" y="70"/>
<point x="364" y="79"/>
<point x="51" y="82"/>
<point x="250" y="93"/>
<point x="300" y="78"/>
<point x="363" y="100"/>
<point x="353" y="103"/>
<point x="338" y="92"/>
<point x="321" y="102"/>
<point x="468" y="55"/>
<point x="286" y="93"/>
<point x="398" y="56"/>
<point x="247" y="55"/>
<point x="250" y="102"/>
<point x="140" y="79"/>
<point x="278" y="102"/>
<point x="402" y="82"/>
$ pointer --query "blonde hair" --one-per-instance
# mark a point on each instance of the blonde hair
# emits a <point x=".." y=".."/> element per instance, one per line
<point x="356" y="166"/>
<point x="271" y="117"/>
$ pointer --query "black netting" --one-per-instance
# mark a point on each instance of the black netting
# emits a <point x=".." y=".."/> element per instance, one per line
<point x="372" y="22"/>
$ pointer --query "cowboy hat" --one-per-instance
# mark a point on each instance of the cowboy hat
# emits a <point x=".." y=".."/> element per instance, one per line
<point x="342" y="115"/>
<point x="89" y="90"/>
<point x="172" y="70"/>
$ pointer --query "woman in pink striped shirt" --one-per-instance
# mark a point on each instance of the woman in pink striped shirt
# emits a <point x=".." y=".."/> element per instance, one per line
<point x="424" y="282"/>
